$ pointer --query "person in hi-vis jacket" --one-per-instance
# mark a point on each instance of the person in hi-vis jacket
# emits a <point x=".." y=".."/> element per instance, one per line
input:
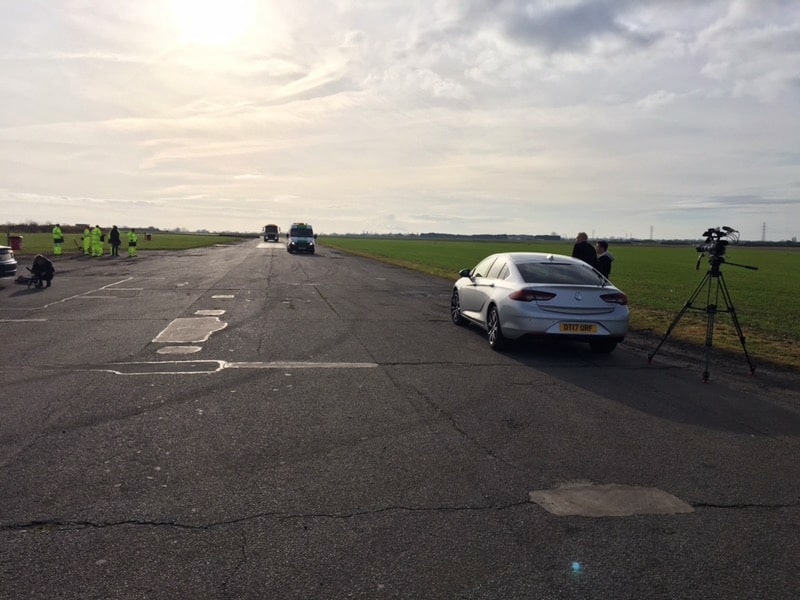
<point x="58" y="239"/>
<point x="97" y="241"/>
<point x="132" y="239"/>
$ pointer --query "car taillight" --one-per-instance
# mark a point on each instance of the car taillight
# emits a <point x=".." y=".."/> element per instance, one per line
<point x="618" y="298"/>
<point x="531" y="295"/>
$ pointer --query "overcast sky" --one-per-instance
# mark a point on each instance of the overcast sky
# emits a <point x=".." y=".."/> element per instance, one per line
<point x="616" y="117"/>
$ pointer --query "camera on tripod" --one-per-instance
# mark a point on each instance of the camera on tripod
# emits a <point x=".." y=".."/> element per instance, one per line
<point x="717" y="240"/>
<point x="713" y="283"/>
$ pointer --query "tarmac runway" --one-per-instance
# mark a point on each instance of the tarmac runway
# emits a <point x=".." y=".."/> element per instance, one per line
<point x="240" y="422"/>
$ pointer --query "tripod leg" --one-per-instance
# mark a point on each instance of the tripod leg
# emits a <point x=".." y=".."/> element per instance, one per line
<point x="687" y="305"/>
<point x="730" y="309"/>
<point x="711" y="313"/>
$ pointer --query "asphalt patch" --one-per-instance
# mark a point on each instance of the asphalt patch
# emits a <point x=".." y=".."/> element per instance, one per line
<point x="612" y="500"/>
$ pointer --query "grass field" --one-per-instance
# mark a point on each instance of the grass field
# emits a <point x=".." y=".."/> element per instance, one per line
<point x="42" y="243"/>
<point x="658" y="281"/>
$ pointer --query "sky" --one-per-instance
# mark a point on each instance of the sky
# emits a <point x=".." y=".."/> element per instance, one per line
<point x="621" y="118"/>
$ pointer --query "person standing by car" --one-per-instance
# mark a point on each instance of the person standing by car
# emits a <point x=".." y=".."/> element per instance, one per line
<point x="584" y="250"/>
<point x="604" y="258"/>
<point x="132" y="239"/>
<point x="114" y="240"/>
<point x="87" y="241"/>
<point x="58" y="239"/>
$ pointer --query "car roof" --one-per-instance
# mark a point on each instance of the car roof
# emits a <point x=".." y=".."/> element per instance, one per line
<point x="520" y="257"/>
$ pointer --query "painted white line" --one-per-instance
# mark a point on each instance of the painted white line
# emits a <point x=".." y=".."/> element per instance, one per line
<point x="210" y="313"/>
<point x="223" y="296"/>
<point x="300" y="365"/>
<point x="116" y="283"/>
<point x="23" y="320"/>
<point x="179" y="350"/>
<point x="87" y="294"/>
<point x="215" y="366"/>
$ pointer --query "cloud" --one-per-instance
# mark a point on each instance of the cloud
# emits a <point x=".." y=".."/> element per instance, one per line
<point x="447" y="115"/>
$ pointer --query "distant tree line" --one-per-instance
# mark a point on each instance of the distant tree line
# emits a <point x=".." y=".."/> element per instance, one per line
<point x="493" y="237"/>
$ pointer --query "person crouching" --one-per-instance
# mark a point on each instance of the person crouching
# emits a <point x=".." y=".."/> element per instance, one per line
<point x="43" y="270"/>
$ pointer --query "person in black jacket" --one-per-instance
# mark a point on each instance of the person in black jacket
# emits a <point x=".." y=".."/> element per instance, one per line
<point x="604" y="258"/>
<point x="114" y="240"/>
<point x="584" y="250"/>
<point x="42" y="269"/>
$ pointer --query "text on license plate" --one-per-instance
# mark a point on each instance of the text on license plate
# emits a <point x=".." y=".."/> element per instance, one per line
<point x="578" y="327"/>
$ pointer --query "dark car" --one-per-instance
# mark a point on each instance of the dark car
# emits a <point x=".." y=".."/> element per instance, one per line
<point x="8" y="264"/>
<point x="272" y="233"/>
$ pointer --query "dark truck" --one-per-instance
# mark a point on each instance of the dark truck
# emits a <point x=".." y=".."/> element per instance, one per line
<point x="271" y="233"/>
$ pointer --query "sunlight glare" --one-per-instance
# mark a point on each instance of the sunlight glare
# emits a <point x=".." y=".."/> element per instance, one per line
<point x="212" y="21"/>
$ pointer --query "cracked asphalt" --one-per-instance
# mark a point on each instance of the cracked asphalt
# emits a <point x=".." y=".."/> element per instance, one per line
<point x="359" y="445"/>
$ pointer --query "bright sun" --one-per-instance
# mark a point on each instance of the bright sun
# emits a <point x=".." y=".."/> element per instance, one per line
<point x="212" y="21"/>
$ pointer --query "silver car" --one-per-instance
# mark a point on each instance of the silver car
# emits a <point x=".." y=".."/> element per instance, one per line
<point x="516" y="294"/>
<point x="8" y="264"/>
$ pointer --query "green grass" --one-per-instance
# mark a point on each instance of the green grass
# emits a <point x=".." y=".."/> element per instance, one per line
<point x="658" y="280"/>
<point x="42" y="243"/>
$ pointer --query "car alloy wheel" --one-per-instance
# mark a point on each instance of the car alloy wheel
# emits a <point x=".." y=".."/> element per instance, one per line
<point x="455" y="309"/>
<point x="496" y="339"/>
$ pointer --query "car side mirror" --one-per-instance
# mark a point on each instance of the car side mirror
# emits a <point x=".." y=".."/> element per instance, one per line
<point x="464" y="272"/>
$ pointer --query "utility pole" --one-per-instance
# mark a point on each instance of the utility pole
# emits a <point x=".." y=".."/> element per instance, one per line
<point x="764" y="231"/>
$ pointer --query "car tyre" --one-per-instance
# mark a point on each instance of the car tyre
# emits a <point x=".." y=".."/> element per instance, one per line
<point x="603" y="346"/>
<point x="455" y="309"/>
<point x="496" y="339"/>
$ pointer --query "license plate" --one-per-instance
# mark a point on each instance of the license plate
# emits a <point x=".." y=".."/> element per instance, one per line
<point x="578" y="327"/>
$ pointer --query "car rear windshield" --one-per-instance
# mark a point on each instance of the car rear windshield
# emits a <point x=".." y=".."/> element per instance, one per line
<point x="550" y="272"/>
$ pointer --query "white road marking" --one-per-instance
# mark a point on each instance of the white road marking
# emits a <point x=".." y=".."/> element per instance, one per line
<point x="190" y="330"/>
<point x="210" y="313"/>
<point x="87" y="294"/>
<point x="215" y="366"/>
<point x="179" y="350"/>
<point x="300" y="365"/>
<point x="223" y="296"/>
<point x="23" y="320"/>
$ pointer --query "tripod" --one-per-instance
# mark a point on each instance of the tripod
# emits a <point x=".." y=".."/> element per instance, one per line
<point x="714" y="280"/>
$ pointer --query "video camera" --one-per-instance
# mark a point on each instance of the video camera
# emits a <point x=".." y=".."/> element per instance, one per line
<point x="717" y="241"/>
